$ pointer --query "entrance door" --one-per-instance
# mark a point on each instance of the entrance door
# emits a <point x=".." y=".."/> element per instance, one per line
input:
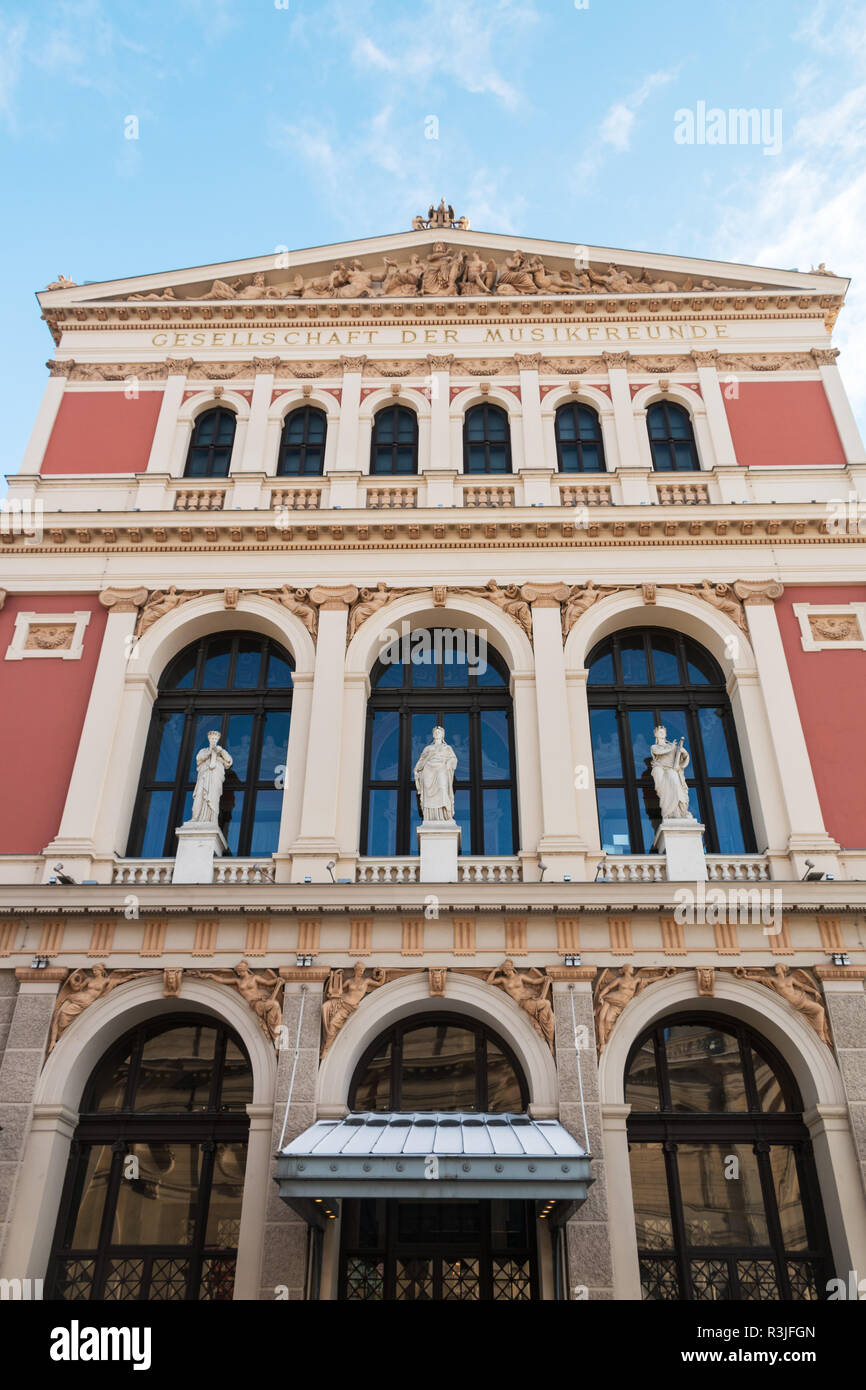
<point x="429" y="1251"/>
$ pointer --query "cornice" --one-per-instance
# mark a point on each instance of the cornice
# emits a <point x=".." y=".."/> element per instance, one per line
<point x="463" y="529"/>
<point x="624" y="308"/>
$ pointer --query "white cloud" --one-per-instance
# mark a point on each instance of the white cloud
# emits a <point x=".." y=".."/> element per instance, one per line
<point x="12" y="36"/>
<point x="616" y="127"/>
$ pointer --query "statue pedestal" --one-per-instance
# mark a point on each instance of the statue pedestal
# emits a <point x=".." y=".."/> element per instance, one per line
<point x="681" y="842"/>
<point x="197" y="844"/>
<point x="439" y="845"/>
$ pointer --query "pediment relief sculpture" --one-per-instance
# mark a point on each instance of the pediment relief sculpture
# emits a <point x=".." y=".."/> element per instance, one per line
<point x="448" y="270"/>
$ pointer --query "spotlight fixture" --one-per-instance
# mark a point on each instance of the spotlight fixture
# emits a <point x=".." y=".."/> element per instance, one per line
<point x="572" y="959"/>
<point x="303" y="960"/>
<point x="841" y="958"/>
<point x="813" y="875"/>
<point x="600" y="867"/>
<point x="39" y="963"/>
<point x="330" y="866"/>
<point x="543" y="871"/>
<point x="60" y="875"/>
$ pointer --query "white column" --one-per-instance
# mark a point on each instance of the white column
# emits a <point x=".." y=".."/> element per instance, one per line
<point x="121" y="785"/>
<point x="560" y="847"/>
<point x="45" y="419"/>
<point x="356" y="692"/>
<point x="803" y="809"/>
<point x="440" y="393"/>
<point x="623" y="1239"/>
<point x="350" y="404"/>
<point x="837" y="397"/>
<point x="254" y="1202"/>
<point x="620" y="395"/>
<point x="251" y="470"/>
<point x="151" y="494"/>
<point x="535" y="469"/>
<point x="528" y="773"/>
<point x="841" y="1184"/>
<point x="296" y="767"/>
<point x="317" y="842"/>
<point x="717" y="416"/>
<point x="75" y="841"/>
<point x="581" y="749"/>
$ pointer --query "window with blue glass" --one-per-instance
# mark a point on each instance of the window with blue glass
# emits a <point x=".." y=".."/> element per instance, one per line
<point x="486" y="440"/>
<point x="672" y="438"/>
<point x="579" y="447"/>
<point x="394" y="443"/>
<point x="438" y="678"/>
<point x="210" y="448"/>
<point x="302" y="444"/>
<point x="240" y="684"/>
<point x="637" y="680"/>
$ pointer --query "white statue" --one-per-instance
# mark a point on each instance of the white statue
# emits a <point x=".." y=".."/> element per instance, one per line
<point x="212" y="764"/>
<point x="434" y="778"/>
<point x="670" y="761"/>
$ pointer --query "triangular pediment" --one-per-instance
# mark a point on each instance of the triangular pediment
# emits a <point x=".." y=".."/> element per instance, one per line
<point x="449" y="263"/>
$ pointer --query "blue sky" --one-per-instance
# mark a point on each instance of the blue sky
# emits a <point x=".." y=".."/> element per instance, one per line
<point x="264" y="123"/>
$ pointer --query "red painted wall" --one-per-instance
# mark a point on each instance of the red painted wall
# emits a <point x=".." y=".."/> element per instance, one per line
<point x="102" y="432"/>
<point x="829" y="689"/>
<point x="783" y="422"/>
<point x="43" y="703"/>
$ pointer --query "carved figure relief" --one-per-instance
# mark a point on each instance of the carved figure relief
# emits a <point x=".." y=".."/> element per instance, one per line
<point x="81" y="990"/>
<point x="615" y="989"/>
<point x="529" y="989"/>
<point x="262" y="991"/>
<point x="798" y="989"/>
<point x="343" y="997"/>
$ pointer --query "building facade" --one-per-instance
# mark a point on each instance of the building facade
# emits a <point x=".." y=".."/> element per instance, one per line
<point x="599" y="1029"/>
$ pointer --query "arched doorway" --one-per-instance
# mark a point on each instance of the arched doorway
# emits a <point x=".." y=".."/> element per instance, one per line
<point x="423" y="1249"/>
<point x="726" y="1197"/>
<point x="151" y="1203"/>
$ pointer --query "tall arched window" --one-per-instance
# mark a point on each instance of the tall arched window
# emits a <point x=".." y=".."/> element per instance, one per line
<point x="240" y="684"/>
<point x="437" y="677"/>
<point x="726" y="1197"/>
<point x="486" y="440"/>
<point x="637" y="680"/>
<point x="579" y="446"/>
<point x="210" y="448"/>
<point x="394" y="444"/>
<point x="434" y="1249"/>
<point x="442" y="1062"/>
<point x="672" y="438"/>
<point x="302" y="444"/>
<point x="151" y="1206"/>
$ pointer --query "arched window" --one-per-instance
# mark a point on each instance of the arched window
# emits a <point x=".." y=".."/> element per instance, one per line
<point x="442" y="1062"/>
<point x="637" y="680"/>
<point x="725" y="1193"/>
<point x="240" y="684"/>
<point x="672" y="439"/>
<point x="579" y="447"/>
<point x="486" y="440"/>
<point x="210" y="448"/>
<point x="394" y="445"/>
<point x="440" y="676"/>
<point x="151" y="1205"/>
<point x="302" y="444"/>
